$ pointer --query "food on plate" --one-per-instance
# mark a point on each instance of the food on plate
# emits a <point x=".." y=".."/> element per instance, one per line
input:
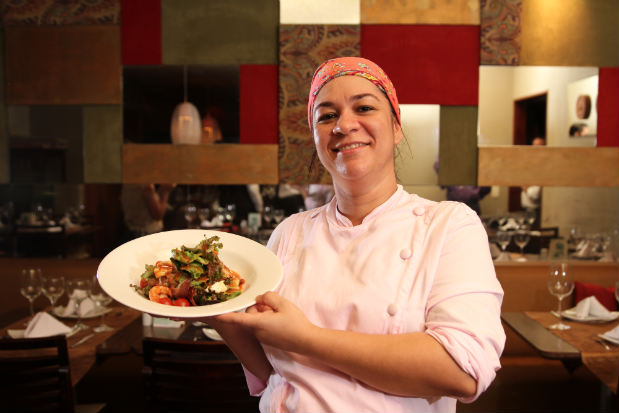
<point x="192" y="277"/>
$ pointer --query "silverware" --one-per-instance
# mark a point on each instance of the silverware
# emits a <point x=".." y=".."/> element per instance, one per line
<point x="603" y="343"/>
<point x="83" y="340"/>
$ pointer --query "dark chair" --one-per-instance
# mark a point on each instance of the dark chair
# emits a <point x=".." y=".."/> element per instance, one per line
<point x="194" y="376"/>
<point x="35" y="375"/>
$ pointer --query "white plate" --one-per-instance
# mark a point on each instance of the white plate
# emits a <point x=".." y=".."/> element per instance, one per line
<point x="571" y="315"/>
<point x="97" y="312"/>
<point x="123" y="266"/>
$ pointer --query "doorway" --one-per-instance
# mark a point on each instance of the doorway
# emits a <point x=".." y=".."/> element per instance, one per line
<point x="529" y="123"/>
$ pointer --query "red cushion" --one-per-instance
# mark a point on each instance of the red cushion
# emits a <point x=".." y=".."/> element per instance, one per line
<point x="605" y="295"/>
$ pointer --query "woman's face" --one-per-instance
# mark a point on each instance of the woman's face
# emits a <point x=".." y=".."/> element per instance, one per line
<point x="354" y="130"/>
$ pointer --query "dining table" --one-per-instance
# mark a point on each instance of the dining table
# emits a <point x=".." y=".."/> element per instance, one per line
<point x="84" y="355"/>
<point x="576" y="346"/>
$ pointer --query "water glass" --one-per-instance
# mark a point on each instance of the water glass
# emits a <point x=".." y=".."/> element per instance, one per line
<point x="561" y="285"/>
<point x="101" y="299"/>
<point x="53" y="288"/>
<point x="78" y="290"/>
<point x="31" y="285"/>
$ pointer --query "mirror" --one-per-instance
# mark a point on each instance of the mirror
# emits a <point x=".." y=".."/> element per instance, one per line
<point x="503" y="88"/>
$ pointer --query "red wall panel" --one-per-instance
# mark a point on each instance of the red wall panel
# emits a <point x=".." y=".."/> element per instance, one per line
<point x="259" y="104"/>
<point x="608" y="107"/>
<point x="140" y="22"/>
<point x="428" y="64"/>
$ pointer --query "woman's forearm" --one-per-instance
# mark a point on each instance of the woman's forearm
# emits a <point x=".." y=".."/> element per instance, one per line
<point x="412" y="364"/>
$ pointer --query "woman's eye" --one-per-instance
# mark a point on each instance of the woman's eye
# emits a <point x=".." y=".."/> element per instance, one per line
<point x="365" y="108"/>
<point x="326" y="116"/>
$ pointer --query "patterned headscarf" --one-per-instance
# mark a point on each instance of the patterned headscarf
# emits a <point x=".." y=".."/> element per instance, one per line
<point x="351" y="66"/>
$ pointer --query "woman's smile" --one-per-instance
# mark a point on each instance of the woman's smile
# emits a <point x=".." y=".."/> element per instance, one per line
<point x="349" y="147"/>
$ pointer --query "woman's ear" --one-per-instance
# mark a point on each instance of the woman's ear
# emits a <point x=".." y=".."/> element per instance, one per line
<point x="398" y="135"/>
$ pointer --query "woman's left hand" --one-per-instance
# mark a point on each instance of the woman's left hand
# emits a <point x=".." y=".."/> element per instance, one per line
<point x="275" y="321"/>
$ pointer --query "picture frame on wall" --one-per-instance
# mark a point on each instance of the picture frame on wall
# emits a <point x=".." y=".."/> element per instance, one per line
<point x="582" y="107"/>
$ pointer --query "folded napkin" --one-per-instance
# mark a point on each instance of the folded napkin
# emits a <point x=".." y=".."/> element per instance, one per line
<point x="44" y="325"/>
<point x="86" y="306"/>
<point x="612" y="334"/>
<point x="590" y="307"/>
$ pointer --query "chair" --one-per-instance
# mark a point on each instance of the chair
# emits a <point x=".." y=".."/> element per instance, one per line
<point x="35" y="375"/>
<point x="185" y="376"/>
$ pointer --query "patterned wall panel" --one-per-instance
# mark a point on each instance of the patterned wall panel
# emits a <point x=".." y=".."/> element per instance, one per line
<point x="54" y="12"/>
<point x="575" y="33"/>
<point x="428" y="64"/>
<point x="219" y="32"/>
<point x="63" y="65"/>
<point x="500" y="32"/>
<point x="302" y="48"/>
<point x="419" y="12"/>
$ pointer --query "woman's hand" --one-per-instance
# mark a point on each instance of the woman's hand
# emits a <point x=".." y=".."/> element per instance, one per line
<point x="275" y="321"/>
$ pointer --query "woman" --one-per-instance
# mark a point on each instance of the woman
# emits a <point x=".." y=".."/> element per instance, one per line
<point x="389" y="302"/>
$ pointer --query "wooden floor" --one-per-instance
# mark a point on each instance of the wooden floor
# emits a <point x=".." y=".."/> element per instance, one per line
<point x="524" y="384"/>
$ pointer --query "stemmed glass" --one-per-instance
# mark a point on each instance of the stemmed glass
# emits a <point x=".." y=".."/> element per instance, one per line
<point x="230" y="214"/>
<point x="278" y="216"/>
<point x="521" y="238"/>
<point x="503" y="238"/>
<point x="191" y="213"/>
<point x="78" y="290"/>
<point x="203" y="214"/>
<point x="267" y="216"/>
<point x="53" y="288"/>
<point x="561" y="285"/>
<point x="101" y="299"/>
<point x="31" y="285"/>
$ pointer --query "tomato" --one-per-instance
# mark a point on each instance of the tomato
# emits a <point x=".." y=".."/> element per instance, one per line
<point x="165" y="300"/>
<point x="182" y="302"/>
<point x="143" y="282"/>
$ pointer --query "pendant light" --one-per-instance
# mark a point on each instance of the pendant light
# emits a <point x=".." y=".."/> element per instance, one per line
<point x="185" y="127"/>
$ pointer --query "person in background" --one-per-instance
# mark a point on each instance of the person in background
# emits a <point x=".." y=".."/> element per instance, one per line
<point x="388" y="302"/>
<point x="144" y="207"/>
<point x="578" y="129"/>
<point x="530" y="196"/>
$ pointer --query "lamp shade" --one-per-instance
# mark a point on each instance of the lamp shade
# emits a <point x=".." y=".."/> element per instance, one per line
<point x="186" y="126"/>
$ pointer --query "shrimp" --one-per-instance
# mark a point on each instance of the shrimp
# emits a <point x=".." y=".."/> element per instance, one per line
<point x="159" y="294"/>
<point x="163" y="268"/>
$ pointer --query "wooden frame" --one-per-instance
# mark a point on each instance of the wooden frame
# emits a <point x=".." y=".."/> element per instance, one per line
<point x="218" y="164"/>
<point x="548" y="166"/>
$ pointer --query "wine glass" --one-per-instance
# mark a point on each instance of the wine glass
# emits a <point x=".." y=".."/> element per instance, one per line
<point x="561" y="285"/>
<point x="191" y="213"/>
<point x="53" y="288"/>
<point x="101" y="299"/>
<point x="267" y="216"/>
<point x="203" y="214"/>
<point x="78" y="290"/>
<point x="503" y="238"/>
<point x="230" y="213"/>
<point x="278" y="216"/>
<point x="30" y="285"/>
<point x="521" y="238"/>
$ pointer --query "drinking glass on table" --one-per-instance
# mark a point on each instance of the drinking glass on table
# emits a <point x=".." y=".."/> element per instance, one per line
<point x="191" y="213"/>
<point x="101" y="299"/>
<point x="503" y="238"/>
<point x="78" y="290"/>
<point x="53" y="288"/>
<point x="278" y="216"/>
<point x="267" y="216"/>
<point x="30" y="285"/>
<point x="521" y="238"/>
<point x="561" y="285"/>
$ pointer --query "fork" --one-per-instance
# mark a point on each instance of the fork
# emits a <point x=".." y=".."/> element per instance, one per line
<point x="603" y="343"/>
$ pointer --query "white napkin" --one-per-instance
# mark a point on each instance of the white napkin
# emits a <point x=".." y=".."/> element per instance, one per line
<point x="613" y="334"/>
<point x="44" y="325"/>
<point x="212" y="334"/>
<point x="590" y="307"/>
<point x="86" y="306"/>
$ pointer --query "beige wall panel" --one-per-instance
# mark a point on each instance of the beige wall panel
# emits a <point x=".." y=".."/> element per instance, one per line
<point x="570" y="33"/>
<point x="102" y="144"/>
<point x="219" y="32"/>
<point x="548" y="166"/>
<point x="313" y="12"/>
<point x="458" y="145"/>
<point x="224" y="164"/>
<point x="68" y="65"/>
<point x="420" y="12"/>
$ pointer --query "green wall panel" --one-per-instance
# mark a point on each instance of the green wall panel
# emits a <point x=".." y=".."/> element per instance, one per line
<point x="102" y="144"/>
<point x="458" y="145"/>
<point x="219" y="31"/>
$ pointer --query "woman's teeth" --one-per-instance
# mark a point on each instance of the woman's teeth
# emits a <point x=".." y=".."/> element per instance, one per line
<point x="348" y="147"/>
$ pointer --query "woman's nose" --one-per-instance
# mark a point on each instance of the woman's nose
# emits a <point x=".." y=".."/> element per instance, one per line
<point x="346" y="123"/>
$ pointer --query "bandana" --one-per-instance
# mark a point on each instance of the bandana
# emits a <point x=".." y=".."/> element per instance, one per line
<point x="351" y="66"/>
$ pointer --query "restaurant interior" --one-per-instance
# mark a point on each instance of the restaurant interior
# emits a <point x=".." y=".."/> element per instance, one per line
<point x="208" y="99"/>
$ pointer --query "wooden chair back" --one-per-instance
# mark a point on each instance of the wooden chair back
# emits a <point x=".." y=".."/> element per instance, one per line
<point x="35" y="375"/>
<point x="189" y="376"/>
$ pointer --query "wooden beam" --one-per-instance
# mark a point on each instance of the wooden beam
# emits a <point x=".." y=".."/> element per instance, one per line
<point x="220" y="164"/>
<point x="548" y="166"/>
